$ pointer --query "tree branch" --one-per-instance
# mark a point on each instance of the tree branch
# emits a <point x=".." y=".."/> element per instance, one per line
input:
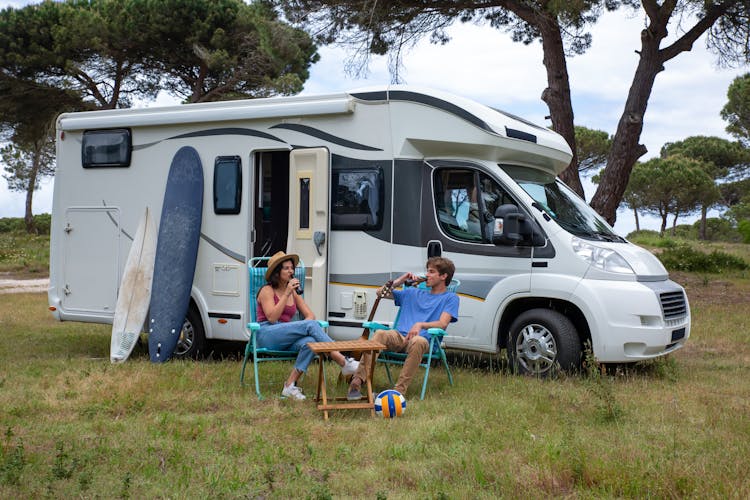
<point x="685" y="42"/>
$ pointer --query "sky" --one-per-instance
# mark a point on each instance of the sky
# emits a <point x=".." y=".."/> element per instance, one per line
<point x="483" y="64"/>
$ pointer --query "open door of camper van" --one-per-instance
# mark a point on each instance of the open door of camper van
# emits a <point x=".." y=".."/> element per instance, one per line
<point x="308" y="221"/>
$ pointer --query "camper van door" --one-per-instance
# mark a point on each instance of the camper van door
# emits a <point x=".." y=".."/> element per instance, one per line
<point x="308" y="221"/>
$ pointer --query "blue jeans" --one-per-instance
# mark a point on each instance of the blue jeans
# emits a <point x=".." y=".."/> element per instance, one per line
<point x="293" y="336"/>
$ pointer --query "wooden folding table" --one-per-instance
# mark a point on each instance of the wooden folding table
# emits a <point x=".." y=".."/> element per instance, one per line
<point x="362" y="346"/>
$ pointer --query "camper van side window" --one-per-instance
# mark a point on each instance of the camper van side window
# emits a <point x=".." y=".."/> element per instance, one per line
<point x="227" y="185"/>
<point x="465" y="200"/>
<point x="106" y="148"/>
<point x="357" y="198"/>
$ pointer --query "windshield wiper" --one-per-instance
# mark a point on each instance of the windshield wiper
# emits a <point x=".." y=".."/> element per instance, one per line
<point x="612" y="238"/>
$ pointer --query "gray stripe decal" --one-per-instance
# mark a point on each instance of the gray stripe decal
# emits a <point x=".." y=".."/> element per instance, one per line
<point x="403" y="95"/>
<point x="144" y="146"/>
<point x="236" y="256"/>
<point x="477" y="285"/>
<point x="212" y="132"/>
<point x="473" y="285"/>
<point x="115" y="222"/>
<point x="313" y="132"/>
<point x="228" y="131"/>
<point x="375" y="279"/>
<point x="379" y="95"/>
<point x="223" y="249"/>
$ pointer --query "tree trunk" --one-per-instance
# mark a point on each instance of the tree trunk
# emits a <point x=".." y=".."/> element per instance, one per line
<point x="637" y="222"/>
<point x="557" y="96"/>
<point x="625" y="147"/>
<point x="702" y="227"/>
<point x="674" y="224"/>
<point x="663" y="223"/>
<point x="30" y="188"/>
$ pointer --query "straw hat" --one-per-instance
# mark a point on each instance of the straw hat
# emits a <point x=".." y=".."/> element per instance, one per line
<point x="278" y="258"/>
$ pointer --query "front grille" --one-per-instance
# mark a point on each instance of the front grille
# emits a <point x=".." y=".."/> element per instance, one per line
<point x="673" y="305"/>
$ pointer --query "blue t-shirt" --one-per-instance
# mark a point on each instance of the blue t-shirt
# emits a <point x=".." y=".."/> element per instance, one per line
<point x="419" y="305"/>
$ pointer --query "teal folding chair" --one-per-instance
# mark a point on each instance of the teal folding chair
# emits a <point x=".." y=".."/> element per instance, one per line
<point x="435" y="353"/>
<point x="257" y="270"/>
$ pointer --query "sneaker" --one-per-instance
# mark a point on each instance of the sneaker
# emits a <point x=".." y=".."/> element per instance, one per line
<point x="354" y="394"/>
<point x="350" y="367"/>
<point x="292" y="391"/>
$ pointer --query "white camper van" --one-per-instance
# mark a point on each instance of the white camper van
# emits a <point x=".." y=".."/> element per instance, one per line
<point x="364" y="186"/>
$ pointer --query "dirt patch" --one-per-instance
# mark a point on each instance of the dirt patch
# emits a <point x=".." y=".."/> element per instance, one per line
<point x="703" y="290"/>
<point x="23" y="286"/>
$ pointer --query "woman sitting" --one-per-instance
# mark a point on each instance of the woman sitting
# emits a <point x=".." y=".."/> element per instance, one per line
<point x="277" y="304"/>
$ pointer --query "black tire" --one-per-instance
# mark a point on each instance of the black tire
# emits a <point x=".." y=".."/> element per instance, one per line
<point x="541" y="340"/>
<point x="192" y="340"/>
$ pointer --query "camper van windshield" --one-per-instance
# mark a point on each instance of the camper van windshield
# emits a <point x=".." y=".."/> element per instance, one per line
<point x="561" y="203"/>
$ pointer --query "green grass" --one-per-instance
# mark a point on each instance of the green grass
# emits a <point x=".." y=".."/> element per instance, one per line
<point x="73" y="425"/>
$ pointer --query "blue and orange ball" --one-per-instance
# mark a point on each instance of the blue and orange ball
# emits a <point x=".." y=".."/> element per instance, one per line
<point x="390" y="404"/>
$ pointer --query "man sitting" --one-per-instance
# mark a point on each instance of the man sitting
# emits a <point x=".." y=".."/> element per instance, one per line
<point x="420" y="309"/>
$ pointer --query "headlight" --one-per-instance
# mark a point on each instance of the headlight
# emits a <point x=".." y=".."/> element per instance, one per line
<point x="601" y="258"/>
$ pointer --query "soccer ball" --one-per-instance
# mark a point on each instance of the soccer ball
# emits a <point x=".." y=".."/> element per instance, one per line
<point x="390" y="404"/>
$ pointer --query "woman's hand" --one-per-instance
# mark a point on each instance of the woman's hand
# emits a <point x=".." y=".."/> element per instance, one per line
<point x="291" y="287"/>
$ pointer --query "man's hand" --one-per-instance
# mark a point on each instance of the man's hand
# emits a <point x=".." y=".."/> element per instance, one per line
<point x="403" y="278"/>
<point x="416" y="328"/>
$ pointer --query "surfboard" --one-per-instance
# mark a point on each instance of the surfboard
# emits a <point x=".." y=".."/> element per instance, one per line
<point x="135" y="291"/>
<point x="176" y="252"/>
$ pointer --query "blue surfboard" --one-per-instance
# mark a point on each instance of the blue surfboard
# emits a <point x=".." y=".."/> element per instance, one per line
<point x="176" y="252"/>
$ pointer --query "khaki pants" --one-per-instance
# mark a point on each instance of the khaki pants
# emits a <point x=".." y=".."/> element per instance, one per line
<point x="394" y="341"/>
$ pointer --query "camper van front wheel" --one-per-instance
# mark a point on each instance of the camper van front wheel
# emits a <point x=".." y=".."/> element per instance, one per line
<point x="192" y="337"/>
<point x="541" y="340"/>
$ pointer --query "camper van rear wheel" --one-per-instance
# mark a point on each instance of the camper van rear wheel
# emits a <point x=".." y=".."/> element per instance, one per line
<point x="541" y="340"/>
<point x="192" y="337"/>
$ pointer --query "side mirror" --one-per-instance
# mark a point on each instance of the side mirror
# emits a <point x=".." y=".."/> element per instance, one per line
<point x="508" y="227"/>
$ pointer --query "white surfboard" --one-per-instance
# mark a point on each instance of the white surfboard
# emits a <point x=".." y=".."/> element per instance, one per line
<point x="135" y="291"/>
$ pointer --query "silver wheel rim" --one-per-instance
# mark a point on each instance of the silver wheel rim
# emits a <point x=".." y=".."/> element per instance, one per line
<point x="536" y="349"/>
<point x="185" y="342"/>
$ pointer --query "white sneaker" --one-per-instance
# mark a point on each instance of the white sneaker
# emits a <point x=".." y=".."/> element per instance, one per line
<point x="292" y="391"/>
<point x="350" y="367"/>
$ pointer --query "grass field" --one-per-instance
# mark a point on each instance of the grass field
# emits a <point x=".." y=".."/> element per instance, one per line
<point x="73" y="425"/>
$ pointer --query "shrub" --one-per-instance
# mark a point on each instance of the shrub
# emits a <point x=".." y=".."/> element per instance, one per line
<point x="685" y="258"/>
<point x="43" y="223"/>
<point x="718" y="229"/>
<point x="650" y="238"/>
<point x="11" y="224"/>
<point x="17" y="224"/>
<point x="743" y="227"/>
<point x="643" y="233"/>
<point x="684" y="231"/>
